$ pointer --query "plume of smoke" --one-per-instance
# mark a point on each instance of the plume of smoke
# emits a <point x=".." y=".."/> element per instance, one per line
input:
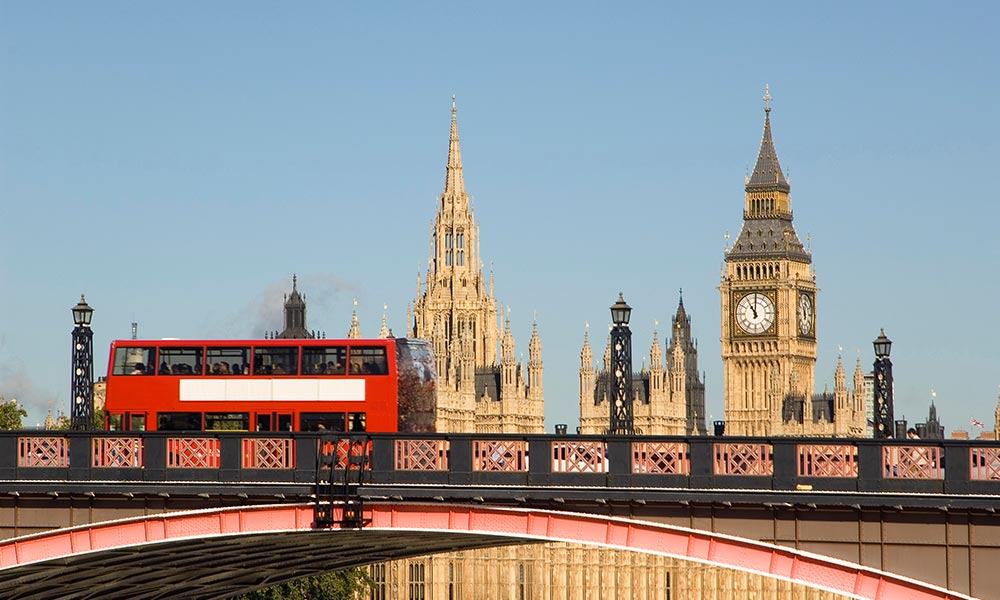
<point x="16" y="383"/>
<point x="264" y="312"/>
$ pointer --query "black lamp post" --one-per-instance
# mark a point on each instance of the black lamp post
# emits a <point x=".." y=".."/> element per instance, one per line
<point x="82" y="383"/>
<point x="620" y="382"/>
<point x="884" y="423"/>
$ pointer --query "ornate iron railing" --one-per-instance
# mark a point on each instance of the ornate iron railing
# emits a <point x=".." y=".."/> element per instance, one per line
<point x="583" y="456"/>
<point x="268" y="453"/>
<point x="912" y="462"/>
<point x="117" y="452"/>
<point x="193" y="453"/>
<point x="47" y="451"/>
<point x="827" y="460"/>
<point x="499" y="455"/>
<point x="743" y="459"/>
<point x="421" y="455"/>
<point x="661" y="458"/>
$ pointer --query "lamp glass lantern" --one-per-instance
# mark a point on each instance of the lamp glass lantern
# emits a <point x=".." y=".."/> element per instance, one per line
<point x="620" y="311"/>
<point x="882" y="345"/>
<point x="82" y="313"/>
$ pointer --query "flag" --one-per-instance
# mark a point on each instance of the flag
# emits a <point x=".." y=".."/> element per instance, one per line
<point x="976" y="423"/>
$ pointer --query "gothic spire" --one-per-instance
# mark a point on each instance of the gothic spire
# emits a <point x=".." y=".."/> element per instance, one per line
<point x="535" y="344"/>
<point x="355" y="331"/>
<point x="454" y="184"/>
<point x="384" y="331"/>
<point x="767" y="174"/>
<point x="586" y="354"/>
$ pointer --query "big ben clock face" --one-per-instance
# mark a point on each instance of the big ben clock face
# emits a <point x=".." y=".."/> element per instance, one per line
<point x="806" y="314"/>
<point x="755" y="313"/>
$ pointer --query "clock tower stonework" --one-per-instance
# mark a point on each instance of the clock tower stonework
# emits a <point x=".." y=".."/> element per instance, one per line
<point x="768" y="293"/>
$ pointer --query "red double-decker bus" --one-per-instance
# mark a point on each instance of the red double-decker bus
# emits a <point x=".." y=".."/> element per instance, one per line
<point x="381" y="385"/>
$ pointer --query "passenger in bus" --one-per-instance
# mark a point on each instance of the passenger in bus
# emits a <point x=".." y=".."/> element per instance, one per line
<point x="278" y="370"/>
<point x="164" y="369"/>
<point x="236" y="369"/>
<point x="358" y="422"/>
<point x="216" y="369"/>
<point x="138" y="369"/>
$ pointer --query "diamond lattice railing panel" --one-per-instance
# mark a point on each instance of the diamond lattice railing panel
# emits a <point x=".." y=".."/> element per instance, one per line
<point x="422" y="455"/>
<point x="984" y="463"/>
<point x="666" y="458"/>
<point x="744" y="459"/>
<point x="268" y="453"/>
<point x="912" y="462"/>
<point x="828" y="460"/>
<point x="580" y="457"/>
<point x="117" y="452"/>
<point x="193" y="453"/>
<point x="342" y="452"/>
<point x="42" y="452"/>
<point x="500" y="455"/>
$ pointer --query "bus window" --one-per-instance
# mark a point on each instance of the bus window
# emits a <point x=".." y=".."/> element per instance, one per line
<point x="324" y="361"/>
<point x="178" y="421"/>
<point x="134" y="361"/>
<point x="137" y="422"/>
<point x="276" y="361"/>
<point x="227" y="421"/>
<point x="284" y="422"/>
<point x="180" y="361"/>
<point x="264" y="422"/>
<point x="369" y="361"/>
<point x="357" y="421"/>
<point x="227" y="361"/>
<point x="329" y="421"/>
<point x="114" y="422"/>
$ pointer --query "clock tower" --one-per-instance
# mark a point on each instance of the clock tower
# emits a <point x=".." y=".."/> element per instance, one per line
<point x="768" y="294"/>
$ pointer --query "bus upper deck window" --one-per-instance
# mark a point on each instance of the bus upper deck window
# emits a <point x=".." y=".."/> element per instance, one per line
<point x="180" y="361"/>
<point x="330" y="360"/>
<point x="369" y="360"/>
<point x="134" y="361"/>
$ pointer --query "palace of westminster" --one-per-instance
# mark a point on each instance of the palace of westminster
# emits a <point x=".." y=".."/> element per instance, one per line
<point x="768" y="315"/>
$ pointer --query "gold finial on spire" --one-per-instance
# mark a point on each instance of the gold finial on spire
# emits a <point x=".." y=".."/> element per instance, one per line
<point x="767" y="98"/>
<point x="453" y="103"/>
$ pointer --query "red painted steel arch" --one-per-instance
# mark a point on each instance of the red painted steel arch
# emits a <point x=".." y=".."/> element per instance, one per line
<point x="458" y="520"/>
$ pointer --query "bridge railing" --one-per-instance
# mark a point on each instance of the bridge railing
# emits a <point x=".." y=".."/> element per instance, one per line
<point x="822" y="464"/>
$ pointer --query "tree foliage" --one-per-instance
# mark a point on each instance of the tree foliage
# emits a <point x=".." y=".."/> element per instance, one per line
<point x="336" y="585"/>
<point x="11" y="414"/>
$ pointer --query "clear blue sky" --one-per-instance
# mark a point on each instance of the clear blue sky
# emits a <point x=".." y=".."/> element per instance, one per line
<point x="178" y="162"/>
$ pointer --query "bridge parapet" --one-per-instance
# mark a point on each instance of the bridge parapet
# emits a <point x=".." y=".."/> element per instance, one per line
<point x="945" y="467"/>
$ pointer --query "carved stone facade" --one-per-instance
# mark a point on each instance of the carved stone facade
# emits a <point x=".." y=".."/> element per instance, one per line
<point x="477" y="392"/>
<point x="769" y="310"/>
<point x="666" y="400"/>
<point x="559" y="571"/>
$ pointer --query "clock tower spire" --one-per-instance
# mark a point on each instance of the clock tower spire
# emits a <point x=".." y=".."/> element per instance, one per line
<point x="768" y="304"/>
